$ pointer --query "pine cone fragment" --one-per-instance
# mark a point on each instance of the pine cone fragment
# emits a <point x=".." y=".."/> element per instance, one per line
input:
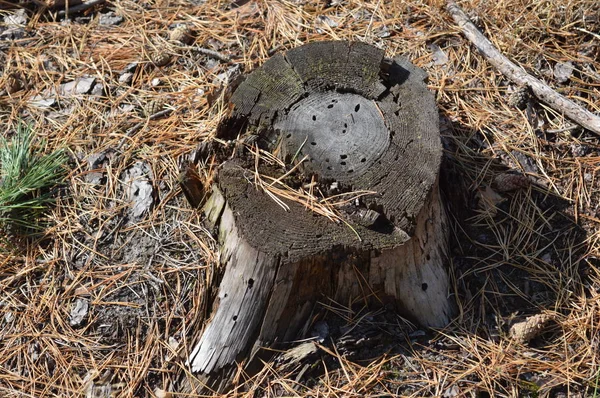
<point x="519" y="97"/>
<point x="530" y="328"/>
<point x="507" y="182"/>
<point x="159" y="59"/>
<point x="182" y="34"/>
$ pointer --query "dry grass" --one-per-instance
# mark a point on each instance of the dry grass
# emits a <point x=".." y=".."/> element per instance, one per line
<point x="537" y="254"/>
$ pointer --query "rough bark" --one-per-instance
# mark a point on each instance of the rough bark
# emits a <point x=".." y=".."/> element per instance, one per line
<point x="364" y="123"/>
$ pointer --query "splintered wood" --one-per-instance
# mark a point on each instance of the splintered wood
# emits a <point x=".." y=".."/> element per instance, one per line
<point x="330" y="122"/>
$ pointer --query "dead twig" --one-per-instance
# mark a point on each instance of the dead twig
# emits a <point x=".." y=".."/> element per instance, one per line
<point x="138" y="126"/>
<point x="80" y="7"/>
<point x="515" y="73"/>
<point x="209" y="53"/>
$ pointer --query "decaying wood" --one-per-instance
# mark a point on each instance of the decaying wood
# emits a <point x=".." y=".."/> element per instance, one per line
<point x="364" y="124"/>
<point x="570" y="109"/>
<point x="192" y="185"/>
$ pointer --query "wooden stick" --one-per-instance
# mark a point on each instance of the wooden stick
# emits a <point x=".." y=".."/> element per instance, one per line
<point x="518" y="75"/>
<point x="80" y="7"/>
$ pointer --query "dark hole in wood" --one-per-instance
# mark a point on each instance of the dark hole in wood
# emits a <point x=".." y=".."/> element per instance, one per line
<point x="313" y="143"/>
<point x="343" y="131"/>
<point x="328" y="167"/>
<point x="288" y="136"/>
<point x="357" y="108"/>
<point x="330" y="106"/>
<point x="345" y="125"/>
<point x="363" y="160"/>
<point x="428" y="257"/>
<point x="343" y="156"/>
<point x="343" y="163"/>
<point x="327" y="160"/>
<point x="424" y="286"/>
<point x="250" y="283"/>
<point x="314" y="117"/>
<point x="235" y="318"/>
<point x="350" y="171"/>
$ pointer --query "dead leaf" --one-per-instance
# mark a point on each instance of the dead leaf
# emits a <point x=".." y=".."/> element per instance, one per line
<point x="489" y="199"/>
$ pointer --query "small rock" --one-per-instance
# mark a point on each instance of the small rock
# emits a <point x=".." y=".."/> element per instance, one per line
<point x="452" y="392"/>
<point x="438" y="56"/>
<point x="43" y="102"/>
<point x="125" y="108"/>
<point x="14" y="25"/>
<point x="525" y="162"/>
<point x="110" y="19"/>
<point x="320" y="331"/>
<point x="79" y="86"/>
<point x="98" y="90"/>
<point x="139" y="190"/>
<point x="324" y="19"/>
<point x="563" y="71"/>
<point x="225" y="77"/>
<point x="579" y="150"/>
<point x="17" y="19"/>
<point x="384" y="32"/>
<point x="14" y="33"/>
<point x="126" y="78"/>
<point x="9" y="317"/>
<point x="173" y="343"/>
<point x="130" y="68"/>
<point x="96" y="162"/>
<point x="79" y="312"/>
<point x="34" y="351"/>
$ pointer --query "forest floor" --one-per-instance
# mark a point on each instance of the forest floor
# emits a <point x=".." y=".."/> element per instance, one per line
<point x="111" y="299"/>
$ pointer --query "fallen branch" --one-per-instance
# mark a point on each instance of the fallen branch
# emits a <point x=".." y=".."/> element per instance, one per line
<point x="80" y="7"/>
<point x="515" y="73"/>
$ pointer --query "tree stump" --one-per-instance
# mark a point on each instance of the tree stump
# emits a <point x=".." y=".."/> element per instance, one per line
<point x="328" y="122"/>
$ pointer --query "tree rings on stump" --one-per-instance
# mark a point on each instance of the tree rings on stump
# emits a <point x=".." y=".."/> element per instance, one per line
<point x="331" y="192"/>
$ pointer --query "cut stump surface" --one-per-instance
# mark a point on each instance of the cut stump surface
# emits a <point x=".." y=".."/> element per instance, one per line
<point x="341" y="124"/>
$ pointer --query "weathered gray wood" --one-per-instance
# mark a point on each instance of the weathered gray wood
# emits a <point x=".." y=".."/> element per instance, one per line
<point x="364" y="124"/>
<point x="241" y="300"/>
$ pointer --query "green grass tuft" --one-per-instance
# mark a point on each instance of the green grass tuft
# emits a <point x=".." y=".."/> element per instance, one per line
<point x="27" y="176"/>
